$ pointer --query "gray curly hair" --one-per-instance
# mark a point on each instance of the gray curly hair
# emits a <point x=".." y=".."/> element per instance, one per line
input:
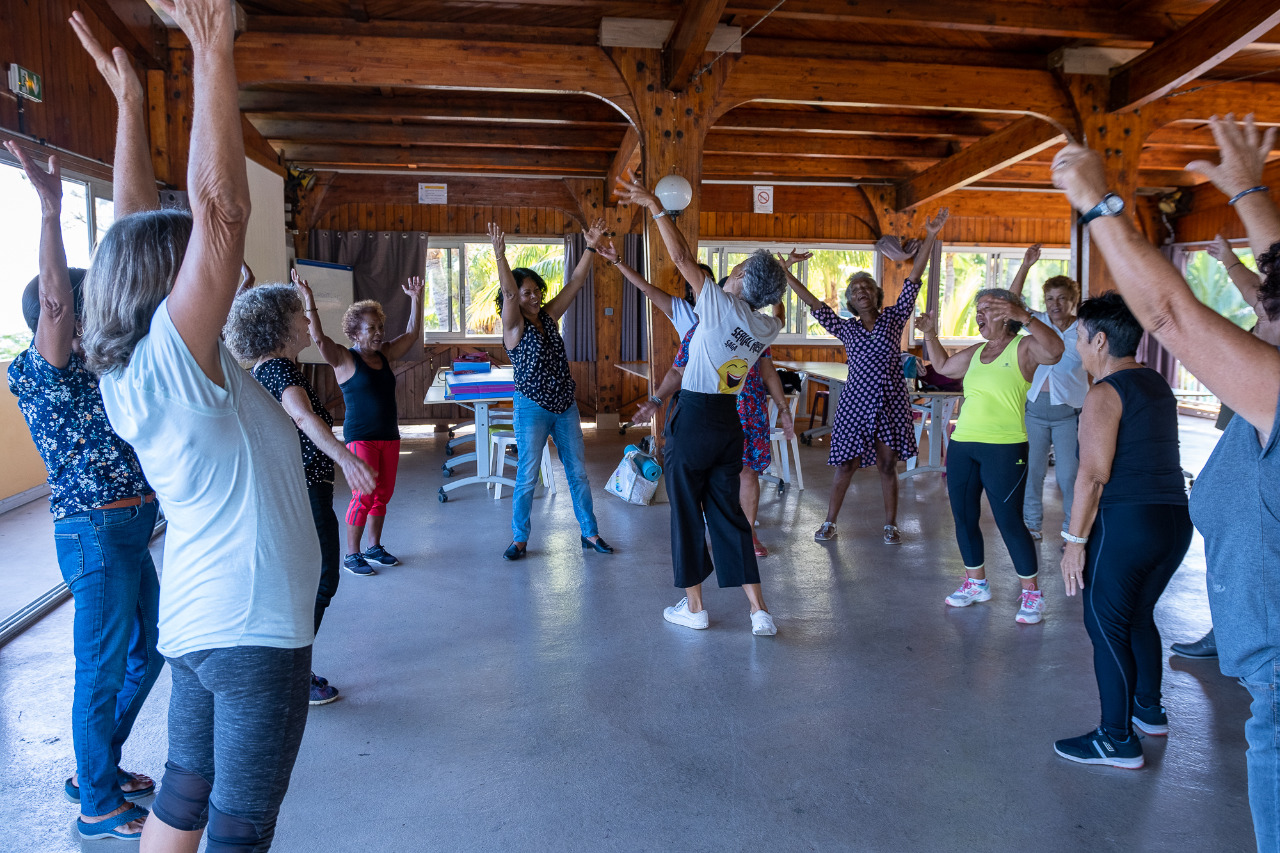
<point x="860" y="276"/>
<point x="1004" y="295"/>
<point x="763" y="279"/>
<point x="261" y="320"/>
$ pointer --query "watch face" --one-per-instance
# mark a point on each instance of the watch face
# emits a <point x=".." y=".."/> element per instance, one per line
<point x="1114" y="204"/>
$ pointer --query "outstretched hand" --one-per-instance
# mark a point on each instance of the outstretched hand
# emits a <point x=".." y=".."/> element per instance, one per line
<point x="1242" y="151"/>
<point x="496" y="237"/>
<point x="1032" y="255"/>
<point x="794" y="258"/>
<point x="596" y="233"/>
<point x="607" y="251"/>
<point x="1220" y="251"/>
<point x="208" y="24"/>
<point x="1079" y="172"/>
<point x="113" y="65"/>
<point x="927" y="323"/>
<point x="631" y="191"/>
<point x="934" y="225"/>
<point x="304" y="289"/>
<point x="48" y="184"/>
<point x="413" y="287"/>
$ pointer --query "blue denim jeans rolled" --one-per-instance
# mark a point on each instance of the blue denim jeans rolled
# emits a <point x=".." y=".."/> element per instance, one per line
<point x="104" y="560"/>
<point x="1262" y="731"/>
<point x="1050" y="426"/>
<point x="532" y="425"/>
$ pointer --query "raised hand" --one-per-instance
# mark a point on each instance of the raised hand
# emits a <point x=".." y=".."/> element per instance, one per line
<point x="999" y="311"/>
<point x="413" y="287"/>
<point x="1079" y="172"/>
<point x="496" y="237"/>
<point x="1242" y="152"/>
<point x="927" y="324"/>
<point x="113" y="65"/>
<point x="208" y="24"/>
<point x="596" y="233"/>
<point x="48" y="185"/>
<point x="304" y="289"/>
<point x="934" y="225"/>
<point x="631" y="191"/>
<point x="606" y="250"/>
<point x="794" y="258"/>
<point x="1220" y="251"/>
<point x="1032" y="255"/>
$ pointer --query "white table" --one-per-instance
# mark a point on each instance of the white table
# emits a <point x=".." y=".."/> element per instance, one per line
<point x="436" y="395"/>
<point x="936" y="409"/>
<point x="832" y="374"/>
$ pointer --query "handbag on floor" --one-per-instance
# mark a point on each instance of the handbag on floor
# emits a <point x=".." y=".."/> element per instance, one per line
<point x="635" y="480"/>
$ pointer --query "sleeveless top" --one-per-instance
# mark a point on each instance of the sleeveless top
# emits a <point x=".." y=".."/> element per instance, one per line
<point x="995" y="397"/>
<point x="1146" y="468"/>
<point x="370" y="398"/>
<point x="541" y="367"/>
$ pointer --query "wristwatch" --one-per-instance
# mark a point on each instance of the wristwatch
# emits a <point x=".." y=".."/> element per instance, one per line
<point x="1111" y="205"/>
<point x="657" y="401"/>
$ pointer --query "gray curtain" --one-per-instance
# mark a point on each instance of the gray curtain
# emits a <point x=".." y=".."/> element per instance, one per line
<point x="1150" y="352"/>
<point x="579" y="326"/>
<point x="381" y="262"/>
<point x="634" y="316"/>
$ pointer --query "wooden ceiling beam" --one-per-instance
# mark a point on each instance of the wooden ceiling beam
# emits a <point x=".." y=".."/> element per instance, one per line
<point x="682" y="55"/>
<point x="560" y="138"/>
<point x="722" y="166"/>
<point x="576" y="163"/>
<point x="626" y="160"/>
<point x="970" y="126"/>
<point x="1214" y="98"/>
<point x="424" y="29"/>
<point x="794" y="144"/>
<point x="1003" y="148"/>
<point x="437" y="105"/>
<point x="1209" y="40"/>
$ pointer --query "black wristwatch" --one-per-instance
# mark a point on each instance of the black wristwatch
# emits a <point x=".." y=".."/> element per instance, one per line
<point x="1111" y="205"/>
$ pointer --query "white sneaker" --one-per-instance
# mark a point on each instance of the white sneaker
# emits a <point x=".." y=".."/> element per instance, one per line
<point x="680" y="615"/>
<point x="1031" y="607"/>
<point x="762" y="624"/>
<point x="969" y="592"/>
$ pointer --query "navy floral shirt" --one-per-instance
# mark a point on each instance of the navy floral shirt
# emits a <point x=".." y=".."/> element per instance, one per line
<point x="277" y="376"/>
<point x="88" y="464"/>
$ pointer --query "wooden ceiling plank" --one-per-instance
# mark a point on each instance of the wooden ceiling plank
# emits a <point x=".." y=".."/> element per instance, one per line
<point x="985" y="157"/>
<point x="1210" y="39"/>
<point x="971" y="126"/>
<point x="1214" y="98"/>
<point x="682" y="55"/>
<point x="433" y="106"/>
<point x="823" y="145"/>
<point x="462" y="159"/>
<point x="558" y="138"/>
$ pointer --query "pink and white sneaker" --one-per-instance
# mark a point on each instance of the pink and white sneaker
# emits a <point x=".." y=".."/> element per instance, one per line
<point x="969" y="592"/>
<point x="1031" y="607"/>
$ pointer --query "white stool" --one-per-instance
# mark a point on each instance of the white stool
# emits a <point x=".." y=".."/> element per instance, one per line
<point x="926" y="424"/>
<point x="499" y="441"/>
<point x="782" y="451"/>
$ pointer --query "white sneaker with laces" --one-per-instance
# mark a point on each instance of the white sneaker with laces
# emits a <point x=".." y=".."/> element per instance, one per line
<point x="1031" y="607"/>
<point x="681" y="615"/>
<point x="762" y="624"/>
<point x="969" y="592"/>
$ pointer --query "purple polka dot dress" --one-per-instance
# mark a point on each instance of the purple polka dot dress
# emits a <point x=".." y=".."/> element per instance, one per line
<point x="874" y="403"/>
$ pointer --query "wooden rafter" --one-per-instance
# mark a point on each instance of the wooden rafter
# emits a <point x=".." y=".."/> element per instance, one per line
<point x="626" y="159"/>
<point x="573" y="163"/>
<point x="1207" y="41"/>
<point x="439" y="105"/>
<point x="499" y="136"/>
<point x="683" y="53"/>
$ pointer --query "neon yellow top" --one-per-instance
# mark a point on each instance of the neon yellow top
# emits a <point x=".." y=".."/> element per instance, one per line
<point x="995" y="397"/>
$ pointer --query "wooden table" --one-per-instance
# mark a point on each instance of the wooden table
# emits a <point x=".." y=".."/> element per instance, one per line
<point x="832" y="374"/>
<point x="436" y="395"/>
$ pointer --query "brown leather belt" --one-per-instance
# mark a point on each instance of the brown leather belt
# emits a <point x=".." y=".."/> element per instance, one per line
<point x="136" y="500"/>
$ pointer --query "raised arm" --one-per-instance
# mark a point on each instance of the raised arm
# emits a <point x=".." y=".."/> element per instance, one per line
<point x="954" y="366"/>
<point x="932" y="227"/>
<point x="359" y="474"/>
<point x="1245" y="279"/>
<point x="56" y="328"/>
<point x="512" y="322"/>
<point x="217" y="182"/>
<point x="562" y="300"/>
<point x="631" y="191"/>
<point x="133" y="177"/>
<point x="1041" y="346"/>
<point x="1029" y="260"/>
<point x="1244" y="152"/>
<point x="334" y="354"/>
<point x="1099" y="426"/>
<point x="802" y="293"/>
<point x="398" y="348"/>
<point x="659" y="297"/>
<point x="1241" y="370"/>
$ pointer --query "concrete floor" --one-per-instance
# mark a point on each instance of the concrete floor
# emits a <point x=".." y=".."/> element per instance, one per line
<point x="545" y="705"/>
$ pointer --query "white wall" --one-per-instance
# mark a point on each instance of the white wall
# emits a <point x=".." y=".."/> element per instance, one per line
<point x="264" y="249"/>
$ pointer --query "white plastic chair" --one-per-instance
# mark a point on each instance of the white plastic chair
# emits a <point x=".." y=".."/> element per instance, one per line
<point x="782" y="451"/>
<point x="499" y="441"/>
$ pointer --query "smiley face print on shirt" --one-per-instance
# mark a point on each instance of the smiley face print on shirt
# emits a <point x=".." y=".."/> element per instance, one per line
<point x="731" y="374"/>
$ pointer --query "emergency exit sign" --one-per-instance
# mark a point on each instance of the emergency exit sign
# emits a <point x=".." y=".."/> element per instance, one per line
<point x="25" y="83"/>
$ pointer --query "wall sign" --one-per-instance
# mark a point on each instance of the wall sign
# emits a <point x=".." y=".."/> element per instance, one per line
<point x="433" y="193"/>
<point x="762" y="199"/>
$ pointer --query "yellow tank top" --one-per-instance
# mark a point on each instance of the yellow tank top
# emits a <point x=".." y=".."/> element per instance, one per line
<point x="995" y="397"/>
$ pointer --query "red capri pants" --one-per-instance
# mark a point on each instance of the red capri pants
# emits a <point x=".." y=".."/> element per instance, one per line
<point x="384" y="458"/>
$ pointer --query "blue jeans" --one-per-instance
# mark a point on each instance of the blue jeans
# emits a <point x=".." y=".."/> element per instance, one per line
<point x="1263" y="734"/>
<point x="532" y="426"/>
<point x="104" y="559"/>
<point x="1056" y="426"/>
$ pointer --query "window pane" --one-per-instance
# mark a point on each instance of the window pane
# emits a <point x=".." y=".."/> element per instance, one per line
<point x="75" y="223"/>
<point x="964" y="274"/>
<point x="1007" y="266"/>
<point x="441" y="304"/>
<point x="1212" y="286"/>
<point x="546" y="259"/>
<point x="104" y="216"/>
<point x="828" y="270"/>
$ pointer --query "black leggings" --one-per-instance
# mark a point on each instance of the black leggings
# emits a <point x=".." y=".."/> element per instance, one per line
<point x="1133" y="551"/>
<point x="703" y="459"/>
<point x="321" y="495"/>
<point x="1000" y="469"/>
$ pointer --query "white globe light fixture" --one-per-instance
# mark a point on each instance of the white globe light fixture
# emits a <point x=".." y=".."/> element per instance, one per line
<point x="674" y="192"/>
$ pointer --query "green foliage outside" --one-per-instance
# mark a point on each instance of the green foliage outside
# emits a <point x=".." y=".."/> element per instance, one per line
<point x="965" y="273"/>
<point x="12" y="344"/>
<point x="827" y="273"/>
<point x="546" y="259"/>
<point x="1212" y="286"/>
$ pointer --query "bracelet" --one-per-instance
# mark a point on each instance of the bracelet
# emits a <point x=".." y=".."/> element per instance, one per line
<point x="1075" y="540"/>
<point x="1243" y="193"/>
<point x="657" y="401"/>
<point x="591" y="249"/>
<point x="311" y="310"/>
<point x="659" y="215"/>
<point x="615" y="263"/>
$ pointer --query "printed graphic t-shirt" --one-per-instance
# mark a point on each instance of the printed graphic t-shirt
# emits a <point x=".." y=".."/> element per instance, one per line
<point x="730" y="337"/>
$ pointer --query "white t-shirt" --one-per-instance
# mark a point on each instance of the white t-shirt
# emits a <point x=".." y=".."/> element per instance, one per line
<point x="682" y="316"/>
<point x="1067" y="380"/>
<point x="729" y="339"/>
<point x="241" y="555"/>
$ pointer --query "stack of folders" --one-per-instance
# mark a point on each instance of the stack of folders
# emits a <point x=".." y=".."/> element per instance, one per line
<point x="472" y="362"/>
<point x="497" y="383"/>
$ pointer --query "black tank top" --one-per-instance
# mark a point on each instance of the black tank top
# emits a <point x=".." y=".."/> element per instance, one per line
<point x="370" y="396"/>
<point x="1147" y="468"/>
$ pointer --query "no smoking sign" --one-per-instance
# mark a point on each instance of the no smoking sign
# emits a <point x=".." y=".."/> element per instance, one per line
<point x="762" y="199"/>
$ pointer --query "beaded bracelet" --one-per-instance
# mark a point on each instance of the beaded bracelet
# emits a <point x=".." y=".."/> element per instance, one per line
<point x="659" y="215"/>
<point x="1243" y="193"/>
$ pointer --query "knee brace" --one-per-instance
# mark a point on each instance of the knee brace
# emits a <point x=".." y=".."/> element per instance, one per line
<point x="230" y="834"/>
<point x="183" y="801"/>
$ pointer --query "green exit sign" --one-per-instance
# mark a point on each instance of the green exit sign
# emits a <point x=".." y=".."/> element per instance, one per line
<point x="25" y="83"/>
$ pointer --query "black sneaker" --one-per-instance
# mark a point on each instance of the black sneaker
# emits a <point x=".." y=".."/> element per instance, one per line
<point x="356" y="564"/>
<point x="322" y="692"/>
<point x="1150" y="721"/>
<point x="379" y="556"/>
<point x="1097" y="747"/>
<point x="1205" y="647"/>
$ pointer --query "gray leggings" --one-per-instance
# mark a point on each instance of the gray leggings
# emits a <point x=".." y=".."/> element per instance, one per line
<point x="241" y="710"/>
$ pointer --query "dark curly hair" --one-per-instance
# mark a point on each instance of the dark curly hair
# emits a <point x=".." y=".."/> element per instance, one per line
<point x="261" y="320"/>
<point x="357" y="312"/>
<point x="520" y="274"/>
<point x="1269" y="292"/>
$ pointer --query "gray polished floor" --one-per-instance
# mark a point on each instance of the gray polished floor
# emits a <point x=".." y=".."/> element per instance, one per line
<point x="545" y="705"/>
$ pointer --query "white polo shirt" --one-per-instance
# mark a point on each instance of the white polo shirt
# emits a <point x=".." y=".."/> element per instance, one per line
<point x="729" y="340"/>
<point x="1067" y="381"/>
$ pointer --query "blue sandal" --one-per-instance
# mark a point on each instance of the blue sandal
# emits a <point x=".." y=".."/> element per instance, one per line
<point x="73" y="791"/>
<point x="110" y="828"/>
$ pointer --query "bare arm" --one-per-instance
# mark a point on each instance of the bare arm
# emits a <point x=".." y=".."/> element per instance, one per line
<point x="560" y="304"/>
<point x="512" y="321"/>
<point x="631" y="191"/>
<point x="1099" y="426"/>
<point x="133" y="177"/>
<point x="359" y="475"/>
<point x="773" y="386"/>
<point x="955" y="366"/>
<point x="217" y="182"/>
<point x="1243" y="371"/>
<point x="669" y="386"/>
<point x="1029" y="260"/>
<point x="1246" y="280"/>
<point x="334" y="354"/>
<point x="398" y="348"/>
<point x="659" y="297"/>
<point x="1244" y="151"/>
<point x="802" y="293"/>
<point x="932" y="228"/>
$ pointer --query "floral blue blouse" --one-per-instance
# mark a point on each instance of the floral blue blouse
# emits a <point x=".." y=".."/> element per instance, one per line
<point x="88" y="464"/>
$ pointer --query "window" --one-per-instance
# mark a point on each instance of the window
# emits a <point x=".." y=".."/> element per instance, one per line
<point x="462" y="283"/>
<point x="87" y="212"/>
<point x="966" y="271"/>
<point x="1212" y="286"/>
<point x="825" y="274"/>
